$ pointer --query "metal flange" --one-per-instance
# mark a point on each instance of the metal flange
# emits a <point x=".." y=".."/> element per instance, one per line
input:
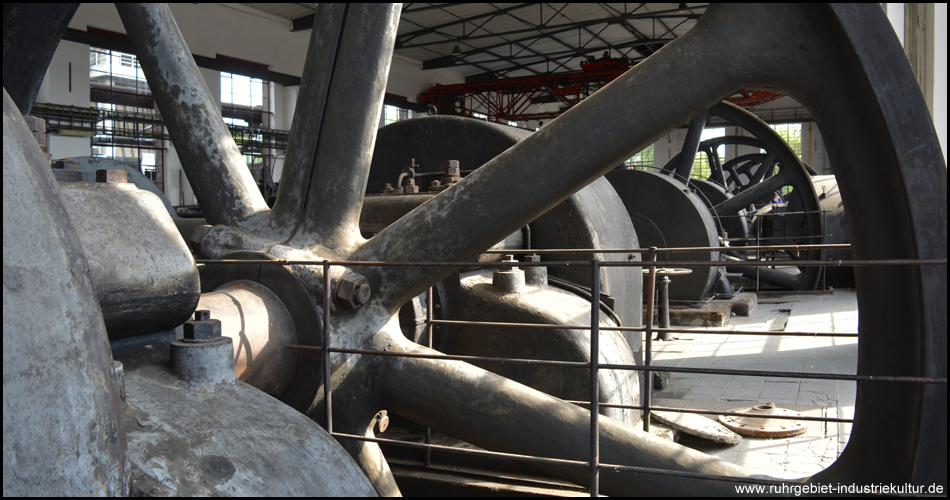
<point x="759" y="423"/>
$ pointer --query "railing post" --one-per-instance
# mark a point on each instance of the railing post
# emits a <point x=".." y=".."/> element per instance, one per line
<point x="326" y="345"/>
<point x="594" y="386"/>
<point x="429" y="330"/>
<point x="648" y="350"/>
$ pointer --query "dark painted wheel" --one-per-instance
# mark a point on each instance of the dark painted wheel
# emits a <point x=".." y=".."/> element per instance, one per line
<point x="752" y="180"/>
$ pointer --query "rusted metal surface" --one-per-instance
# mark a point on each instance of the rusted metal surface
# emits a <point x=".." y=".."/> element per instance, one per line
<point x="262" y="328"/>
<point x="758" y="422"/>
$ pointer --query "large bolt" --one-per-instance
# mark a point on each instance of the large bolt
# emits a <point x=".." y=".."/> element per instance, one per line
<point x="203" y="356"/>
<point x="67" y="170"/>
<point x="509" y="279"/>
<point x="66" y="164"/>
<point x="535" y="275"/>
<point x="352" y="291"/>
<point x="202" y="328"/>
<point x="452" y="168"/>
<point x="453" y="172"/>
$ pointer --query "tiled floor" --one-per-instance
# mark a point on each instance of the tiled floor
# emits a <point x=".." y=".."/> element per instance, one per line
<point x="781" y="458"/>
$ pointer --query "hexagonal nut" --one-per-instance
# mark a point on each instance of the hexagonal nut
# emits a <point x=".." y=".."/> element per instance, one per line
<point x="202" y="330"/>
<point x="452" y="167"/>
<point x="194" y="241"/>
<point x="352" y="290"/>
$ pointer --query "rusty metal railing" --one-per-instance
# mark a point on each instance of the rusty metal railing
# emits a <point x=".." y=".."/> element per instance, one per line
<point x="593" y="464"/>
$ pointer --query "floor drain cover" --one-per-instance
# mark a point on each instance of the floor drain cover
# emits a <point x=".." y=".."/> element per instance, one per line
<point x="697" y="425"/>
<point x="759" y="423"/>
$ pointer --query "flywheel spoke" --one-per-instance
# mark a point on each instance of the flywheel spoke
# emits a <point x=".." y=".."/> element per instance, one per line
<point x="215" y="168"/>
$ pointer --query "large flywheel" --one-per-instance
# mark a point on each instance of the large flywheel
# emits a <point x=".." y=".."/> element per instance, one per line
<point x="866" y="98"/>
<point x="740" y="191"/>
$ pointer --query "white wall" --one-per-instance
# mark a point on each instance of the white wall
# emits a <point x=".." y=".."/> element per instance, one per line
<point x="211" y="29"/>
<point x="67" y="82"/>
<point x="925" y="39"/>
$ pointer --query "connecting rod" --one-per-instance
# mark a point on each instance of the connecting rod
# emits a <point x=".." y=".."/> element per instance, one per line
<point x="502" y="415"/>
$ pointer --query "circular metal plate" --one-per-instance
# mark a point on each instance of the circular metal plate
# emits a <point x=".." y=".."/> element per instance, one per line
<point x="697" y="425"/>
<point x="759" y="423"/>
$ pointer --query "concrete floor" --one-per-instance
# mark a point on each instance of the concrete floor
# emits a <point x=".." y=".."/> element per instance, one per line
<point x="785" y="458"/>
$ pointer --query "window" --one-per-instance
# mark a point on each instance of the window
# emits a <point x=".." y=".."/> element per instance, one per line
<point x="245" y="101"/>
<point x="643" y="159"/>
<point x="393" y="114"/>
<point x="701" y="169"/>
<point x="130" y="130"/>
<point x="791" y="133"/>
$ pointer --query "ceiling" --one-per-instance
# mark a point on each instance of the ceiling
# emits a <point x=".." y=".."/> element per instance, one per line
<point x="505" y="40"/>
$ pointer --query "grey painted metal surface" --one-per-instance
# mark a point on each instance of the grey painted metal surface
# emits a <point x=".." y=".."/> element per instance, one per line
<point x="90" y="164"/>
<point x="835" y="228"/>
<point x="227" y="438"/>
<point x="486" y="296"/>
<point x="142" y="270"/>
<point x="594" y="217"/>
<point x="866" y="99"/>
<point x="667" y="214"/>
<point x="63" y="432"/>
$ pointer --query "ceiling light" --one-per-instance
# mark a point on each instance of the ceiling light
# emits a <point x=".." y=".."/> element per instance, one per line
<point x="456" y="51"/>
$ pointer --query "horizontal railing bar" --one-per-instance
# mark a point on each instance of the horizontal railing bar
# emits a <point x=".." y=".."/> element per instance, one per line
<point x="558" y="461"/>
<point x="579" y="364"/>
<point x="638" y="329"/>
<point x="665" y="263"/>
<point x="715" y="412"/>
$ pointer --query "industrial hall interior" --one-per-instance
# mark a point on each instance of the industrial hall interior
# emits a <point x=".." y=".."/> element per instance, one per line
<point x="424" y="249"/>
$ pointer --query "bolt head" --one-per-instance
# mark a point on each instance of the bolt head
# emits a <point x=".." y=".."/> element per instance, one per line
<point x="200" y="331"/>
<point x="452" y="167"/>
<point x="353" y="290"/>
